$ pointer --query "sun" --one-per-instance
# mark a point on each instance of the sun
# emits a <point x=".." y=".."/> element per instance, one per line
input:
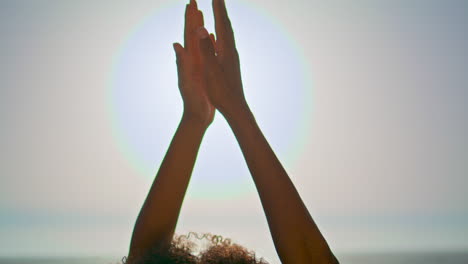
<point x="146" y="106"/>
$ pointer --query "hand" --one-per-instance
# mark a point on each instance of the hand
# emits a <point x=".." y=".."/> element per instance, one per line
<point x="192" y="82"/>
<point x="222" y="67"/>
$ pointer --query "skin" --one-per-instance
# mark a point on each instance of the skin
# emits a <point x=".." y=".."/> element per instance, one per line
<point x="157" y="220"/>
<point x="296" y="237"/>
<point x="209" y="78"/>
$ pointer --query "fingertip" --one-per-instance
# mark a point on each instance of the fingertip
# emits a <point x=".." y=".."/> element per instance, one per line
<point x="201" y="18"/>
<point x="177" y="48"/>
<point x="213" y="40"/>
<point x="194" y="3"/>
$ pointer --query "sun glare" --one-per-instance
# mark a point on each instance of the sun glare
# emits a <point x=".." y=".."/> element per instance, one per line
<point x="147" y="107"/>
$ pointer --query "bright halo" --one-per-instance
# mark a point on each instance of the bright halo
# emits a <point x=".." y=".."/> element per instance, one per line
<point x="146" y="106"/>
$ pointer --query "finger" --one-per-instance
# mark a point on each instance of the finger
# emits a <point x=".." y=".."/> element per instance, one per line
<point x="200" y="21"/>
<point x="213" y="40"/>
<point x="191" y="14"/>
<point x="195" y="16"/>
<point x="187" y="26"/>
<point x="207" y="51"/>
<point x="206" y="44"/>
<point x="223" y="26"/>
<point x="194" y="4"/>
<point x="193" y="20"/>
<point x="194" y="40"/>
<point x="179" y="51"/>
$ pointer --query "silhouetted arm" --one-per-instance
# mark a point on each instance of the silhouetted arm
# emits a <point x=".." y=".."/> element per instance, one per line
<point x="158" y="217"/>
<point x="296" y="237"/>
<point x="157" y="220"/>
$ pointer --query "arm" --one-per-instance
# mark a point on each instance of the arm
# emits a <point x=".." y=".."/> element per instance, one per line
<point x="157" y="220"/>
<point x="296" y="237"/>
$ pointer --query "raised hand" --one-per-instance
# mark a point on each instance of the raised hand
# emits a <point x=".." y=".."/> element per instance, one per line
<point x="157" y="220"/>
<point x="222" y="71"/>
<point x="296" y="237"/>
<point x="192" y="82"/>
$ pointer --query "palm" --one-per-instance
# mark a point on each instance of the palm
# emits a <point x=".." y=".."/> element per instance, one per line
<point x="196" y="101"/>
<point x="192" y="82"/>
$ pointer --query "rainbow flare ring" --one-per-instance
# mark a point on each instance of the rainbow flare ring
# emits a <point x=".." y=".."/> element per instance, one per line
<point x="145" y="105"/>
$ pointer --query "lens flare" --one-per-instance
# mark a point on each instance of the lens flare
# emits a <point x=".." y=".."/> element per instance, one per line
<point x="145" y="103"/>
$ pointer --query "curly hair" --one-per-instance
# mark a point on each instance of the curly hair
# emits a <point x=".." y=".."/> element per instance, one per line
<point x="218" y="250"/>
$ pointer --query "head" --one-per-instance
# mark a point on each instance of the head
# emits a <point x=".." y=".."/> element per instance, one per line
<point x="215" y="251"/>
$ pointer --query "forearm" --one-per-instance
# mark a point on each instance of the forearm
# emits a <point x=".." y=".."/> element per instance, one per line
<point x="296" y="237"/>
<point x="157" y="220"/>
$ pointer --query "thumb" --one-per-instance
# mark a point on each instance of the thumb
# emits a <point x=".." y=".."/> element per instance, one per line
<point x="179" y="50"/>
<point x="207" y="48"/>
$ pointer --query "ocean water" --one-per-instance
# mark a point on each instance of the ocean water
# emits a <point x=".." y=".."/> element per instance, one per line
<point x="405" y="258"/>
<point x="59" y="260"/>
<point x="381" y="258"/>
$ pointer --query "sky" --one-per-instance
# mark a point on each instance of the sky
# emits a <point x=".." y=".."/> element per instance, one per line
<point x="363" y="101"/>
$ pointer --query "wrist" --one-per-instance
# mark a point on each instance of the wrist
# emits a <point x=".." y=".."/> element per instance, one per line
<point x="239" y="113"/>
<point x="194" y="122"/>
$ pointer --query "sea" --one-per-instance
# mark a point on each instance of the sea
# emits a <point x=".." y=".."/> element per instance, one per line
<point x="367" y="258"/>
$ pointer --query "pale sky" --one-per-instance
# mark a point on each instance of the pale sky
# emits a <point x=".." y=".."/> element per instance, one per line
<point x="378" y="151"/>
